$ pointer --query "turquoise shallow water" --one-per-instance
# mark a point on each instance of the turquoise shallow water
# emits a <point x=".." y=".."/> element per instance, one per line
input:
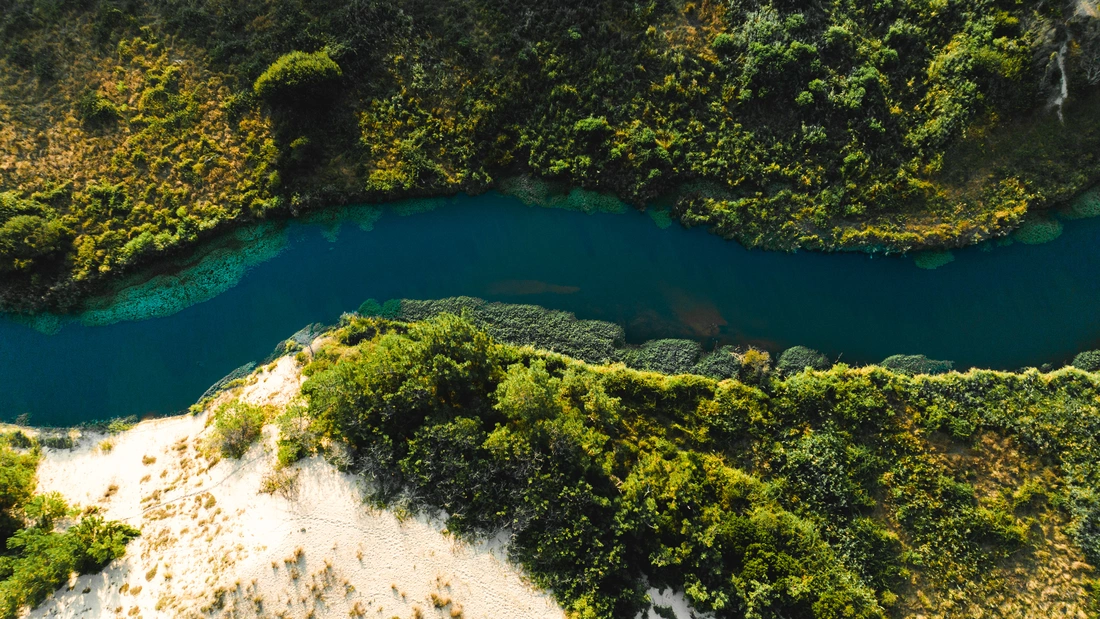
<point x="1006" y="308"/>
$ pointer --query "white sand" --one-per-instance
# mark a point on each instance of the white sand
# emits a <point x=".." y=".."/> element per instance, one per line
<point x="212" y="545"/>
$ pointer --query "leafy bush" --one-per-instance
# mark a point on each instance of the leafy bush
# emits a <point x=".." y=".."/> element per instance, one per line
<point x="664" y="356"/>
<point x="29" y="232"/>
<point x="57" y="441"/>
<point x="755" y="365"/>
<point x="296" y="438"/>
<point x="40" y="554"/>
<point x="724" y="362"/>
<point x="299" y="77"/>
<point x="1088" y="361"/>
<point x="798" y="358"/>
<point x="915" y="364"/>
<point x="121" y="424"/>
<point x="237" y="424"/>
<point x="531" y="325"/>
<point x="95" y="109"/>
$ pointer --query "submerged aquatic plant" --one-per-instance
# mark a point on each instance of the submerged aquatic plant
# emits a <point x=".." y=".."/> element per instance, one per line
<point x="1037" y="231"/>
<point x="933" y="259"/>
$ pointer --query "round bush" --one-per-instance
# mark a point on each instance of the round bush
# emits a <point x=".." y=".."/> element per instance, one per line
<point x="797" y="358"/>
<point x="1088" y="361"/>
<point x="298" y="77"/>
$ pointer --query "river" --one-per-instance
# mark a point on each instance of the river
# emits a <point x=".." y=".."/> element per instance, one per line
<point x="1006" y="308"/>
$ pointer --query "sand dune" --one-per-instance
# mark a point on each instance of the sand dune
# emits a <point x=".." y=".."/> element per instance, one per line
<point x="212" y="545"/>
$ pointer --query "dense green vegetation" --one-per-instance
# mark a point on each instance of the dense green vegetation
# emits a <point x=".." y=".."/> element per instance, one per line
<point x="45" y="542"/>
<point x="136" y="128"/>
<point x="848" y="492"/>
<point x="237" y="425"/>
<point x="298" y="78"/>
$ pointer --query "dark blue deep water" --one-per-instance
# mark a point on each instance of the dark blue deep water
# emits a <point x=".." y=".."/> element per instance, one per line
<point x="1010" y="307"/>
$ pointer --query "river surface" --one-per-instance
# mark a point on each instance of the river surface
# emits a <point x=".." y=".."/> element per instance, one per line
<point x="1006" y="308"/>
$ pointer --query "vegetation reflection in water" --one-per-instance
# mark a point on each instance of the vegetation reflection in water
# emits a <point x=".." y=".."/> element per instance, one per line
<point x="1019" y="305"/>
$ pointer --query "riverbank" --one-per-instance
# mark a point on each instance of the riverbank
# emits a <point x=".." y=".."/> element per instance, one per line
<point x="134" y="131"/>
<point x="1010" y="307"/>
<point x="902" y="495"/>
<point x="212" y="541"/>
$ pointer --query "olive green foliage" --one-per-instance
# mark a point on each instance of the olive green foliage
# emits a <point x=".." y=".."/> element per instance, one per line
<point x="778" y="124"/>
<point x="591" y="340"/>
<point x="29" y="232"/>
<point x="724" y="362"/>
<point x="798" y="358"/>
<point x="896" y="125"/>
<point x="298" y="77"/>
<point x="95" y="109"/>
<point x="664" y="356"/>
<point x="237" y="424"/>
<point x="825" y="494"/>
<point x="39" y="554"/>
<point x="296" y="438"/>
<point x="128" y="152"/>
<point x="1088" y="361"/>
<point x="915" y="364"/>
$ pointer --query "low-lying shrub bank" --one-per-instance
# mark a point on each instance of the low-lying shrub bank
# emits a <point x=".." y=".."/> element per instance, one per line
<point x="848" y="492"/>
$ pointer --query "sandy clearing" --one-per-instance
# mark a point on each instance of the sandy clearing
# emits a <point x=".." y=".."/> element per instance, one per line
<point x="211" y="545"/>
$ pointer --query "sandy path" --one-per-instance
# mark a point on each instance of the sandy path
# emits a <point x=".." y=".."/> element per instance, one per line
<point x="211" y="545"/>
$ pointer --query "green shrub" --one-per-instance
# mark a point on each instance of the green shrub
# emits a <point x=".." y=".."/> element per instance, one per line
<point x="38" y="558"/>
<point x="561" y="332"/>
<point x="57" y="441"/>
<point x="25" y="238"/>
<point x="121" y="424"/>
<point x="915" y="364"/>
<point x="296" y="438"/>
<point x="1088" y="361"/>
<point x="44" y="559"/>
<point x="755" y="365"/>
<point x="237" y="425"/>
<point x="665" y="356"/>
<point x="723" y="43"/>
<point x="797" y="358"/>
<point x="299" y="77"/>
<point x="95" y="109"/>
<point x="720" y="364"/>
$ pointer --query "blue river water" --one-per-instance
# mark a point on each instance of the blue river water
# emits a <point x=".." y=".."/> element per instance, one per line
<point x="1007" y="308"/>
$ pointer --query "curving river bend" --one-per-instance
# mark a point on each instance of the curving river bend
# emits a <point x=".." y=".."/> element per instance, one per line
<point x="1014" y="306"/>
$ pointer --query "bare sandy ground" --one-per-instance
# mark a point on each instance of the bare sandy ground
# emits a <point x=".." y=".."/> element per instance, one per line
<point x="212" y="545"/>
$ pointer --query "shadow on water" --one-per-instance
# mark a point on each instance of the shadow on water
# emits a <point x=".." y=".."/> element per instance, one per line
<point x="1015" y="306"/>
